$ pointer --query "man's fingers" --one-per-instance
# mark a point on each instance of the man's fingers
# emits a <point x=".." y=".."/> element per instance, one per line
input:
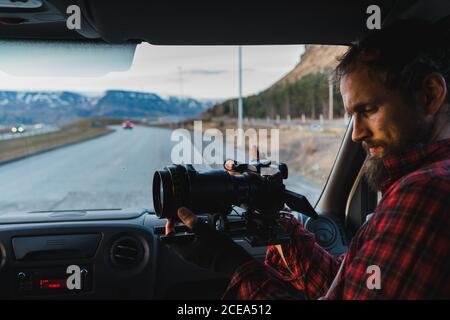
<point x="187" y="217"/>
<point x="170" y="226"/>
<point x="254" y="153"/>
<point x="229" y="165"/>
<point x="262" y="155"/>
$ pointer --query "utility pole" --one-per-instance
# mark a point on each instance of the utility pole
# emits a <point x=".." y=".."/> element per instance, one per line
<point x="240" y="141"/>
<point x="180" y="71"/>
<point x="330" y="97"/>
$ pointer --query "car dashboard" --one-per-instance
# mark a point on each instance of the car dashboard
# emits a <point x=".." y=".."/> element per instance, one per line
<point x="110" y="254"/>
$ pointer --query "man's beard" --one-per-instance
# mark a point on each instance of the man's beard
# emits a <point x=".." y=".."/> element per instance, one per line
<point x="373" y="168"/>
<point x="374" y="172"/>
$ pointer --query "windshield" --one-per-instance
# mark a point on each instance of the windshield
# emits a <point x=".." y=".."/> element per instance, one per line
<point x="70" y="143"/>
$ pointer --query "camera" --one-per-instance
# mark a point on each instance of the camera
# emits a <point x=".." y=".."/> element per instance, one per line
<point x="216" y="193"/>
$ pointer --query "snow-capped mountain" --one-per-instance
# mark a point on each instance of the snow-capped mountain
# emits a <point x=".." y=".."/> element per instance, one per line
<point x="60" y="106"/>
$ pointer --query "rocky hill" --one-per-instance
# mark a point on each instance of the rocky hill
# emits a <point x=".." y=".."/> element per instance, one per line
<point x="315" y="59"/>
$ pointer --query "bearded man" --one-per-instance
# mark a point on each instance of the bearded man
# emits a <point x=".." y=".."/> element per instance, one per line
<point x="395" y="85"/>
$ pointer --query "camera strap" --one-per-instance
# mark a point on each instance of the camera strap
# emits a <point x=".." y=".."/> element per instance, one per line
<point x="335" y="280"/>
<point x="280" y="251"/>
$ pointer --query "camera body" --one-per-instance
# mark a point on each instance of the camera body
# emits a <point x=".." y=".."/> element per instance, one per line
<point x="216" y="192"/>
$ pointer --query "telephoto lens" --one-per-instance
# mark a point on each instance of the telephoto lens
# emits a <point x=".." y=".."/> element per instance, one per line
<point x="214" y="191"/>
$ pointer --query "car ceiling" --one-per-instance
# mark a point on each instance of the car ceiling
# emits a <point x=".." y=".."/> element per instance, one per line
<point x="211" y="23"/>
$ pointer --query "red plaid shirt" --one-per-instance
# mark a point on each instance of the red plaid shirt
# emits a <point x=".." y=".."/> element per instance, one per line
<point x="408" y="238"/>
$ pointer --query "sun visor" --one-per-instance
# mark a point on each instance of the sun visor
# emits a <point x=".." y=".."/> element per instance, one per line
<point x="32" y="58"/>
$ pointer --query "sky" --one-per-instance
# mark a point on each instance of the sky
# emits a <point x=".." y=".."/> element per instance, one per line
<point x="206" y="72"/>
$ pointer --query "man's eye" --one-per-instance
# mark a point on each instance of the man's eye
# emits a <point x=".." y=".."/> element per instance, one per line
<point x="370" y="109"/>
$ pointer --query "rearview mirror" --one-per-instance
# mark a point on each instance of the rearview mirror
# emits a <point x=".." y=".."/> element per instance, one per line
<point x="40" y="58"/>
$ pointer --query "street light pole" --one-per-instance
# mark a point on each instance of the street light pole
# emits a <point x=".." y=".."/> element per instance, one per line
<point x="330" y="96"/>
<point x="240" y="103"/>
<point x="180" y="71"/>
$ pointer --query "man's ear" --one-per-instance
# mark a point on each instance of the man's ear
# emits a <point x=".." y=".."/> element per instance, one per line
<point x="434" y="92"/>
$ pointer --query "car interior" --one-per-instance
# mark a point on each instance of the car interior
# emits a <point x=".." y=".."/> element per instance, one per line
<point x="118" y="251"/>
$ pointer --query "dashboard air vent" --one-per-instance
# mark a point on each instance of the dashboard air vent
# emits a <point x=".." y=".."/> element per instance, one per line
<point x="127" y="252"/>
<point x="2" y="256"/>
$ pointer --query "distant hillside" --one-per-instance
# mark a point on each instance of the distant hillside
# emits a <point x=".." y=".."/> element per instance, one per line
<point x="315" y="59"/>
<point x="304" y="90"/>
<point x="62" y="106"/>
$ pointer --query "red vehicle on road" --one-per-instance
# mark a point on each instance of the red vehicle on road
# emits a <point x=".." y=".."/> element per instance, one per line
<point x="127" y="125"/>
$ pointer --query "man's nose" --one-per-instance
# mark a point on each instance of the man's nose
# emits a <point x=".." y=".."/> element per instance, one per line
<point x="360" y="130"/>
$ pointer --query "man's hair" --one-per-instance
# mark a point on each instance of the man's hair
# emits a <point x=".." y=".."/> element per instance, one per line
<point x="402" y="55"/>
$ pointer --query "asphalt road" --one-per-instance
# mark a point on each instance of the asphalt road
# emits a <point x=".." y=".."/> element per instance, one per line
<point x="113" y="171"/>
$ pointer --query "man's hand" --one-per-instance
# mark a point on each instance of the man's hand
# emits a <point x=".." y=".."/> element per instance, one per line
<point x="210" y="249"/>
